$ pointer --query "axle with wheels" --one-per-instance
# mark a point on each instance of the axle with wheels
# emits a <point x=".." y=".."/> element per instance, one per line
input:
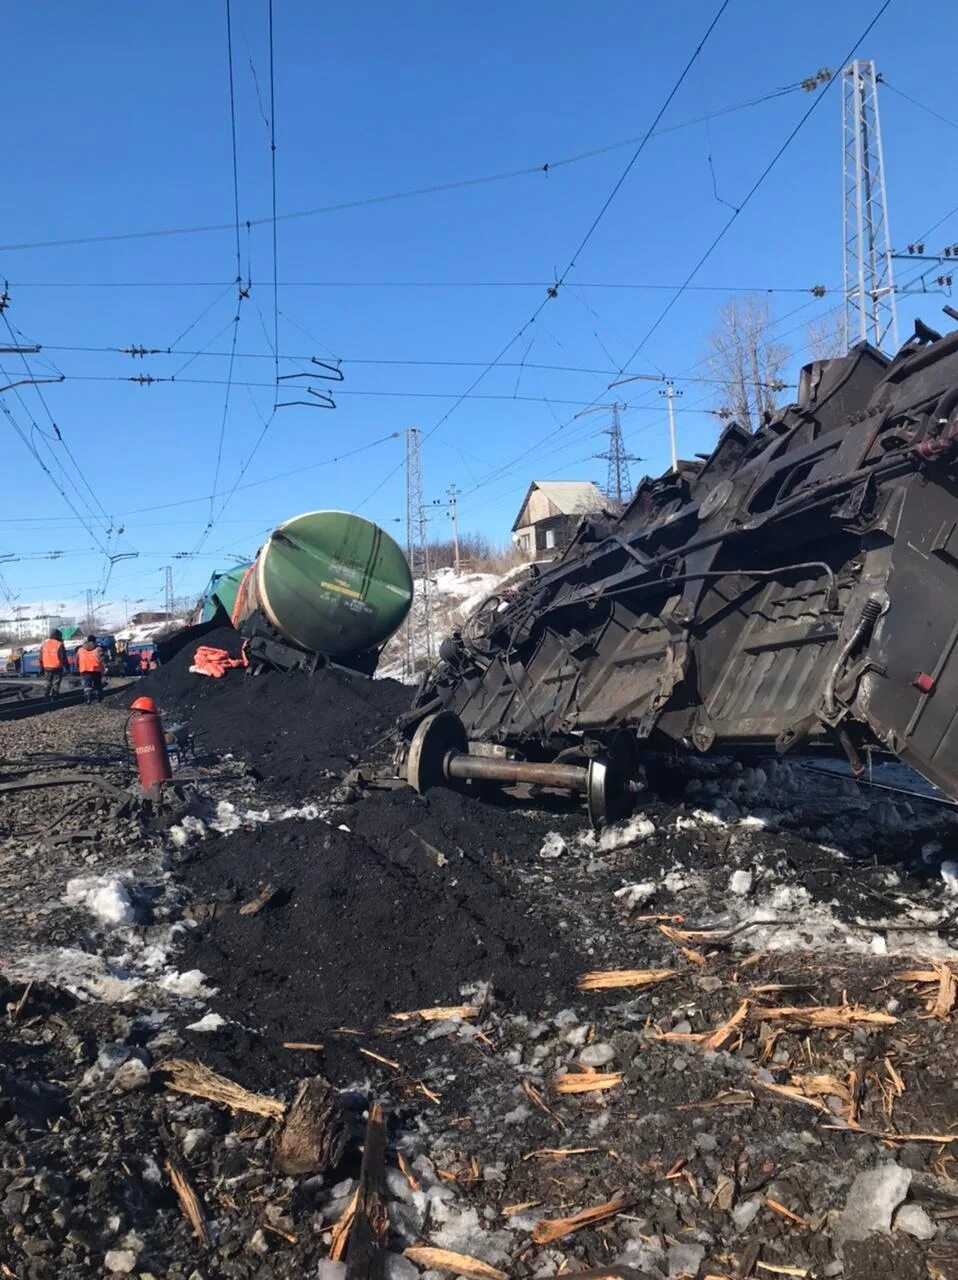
<point x="439" y="755"/>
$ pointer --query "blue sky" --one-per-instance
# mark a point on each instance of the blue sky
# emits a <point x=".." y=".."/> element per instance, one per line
<point x="120" y="124"/>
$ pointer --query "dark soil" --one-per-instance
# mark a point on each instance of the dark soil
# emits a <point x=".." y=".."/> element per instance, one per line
<point x="294" y="730"/>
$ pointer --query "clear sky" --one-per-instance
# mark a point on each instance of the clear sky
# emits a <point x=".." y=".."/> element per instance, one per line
<point x="118" y="121"/>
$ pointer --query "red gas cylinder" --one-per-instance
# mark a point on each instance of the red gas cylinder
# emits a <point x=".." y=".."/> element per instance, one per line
<point x="149" y="743"/>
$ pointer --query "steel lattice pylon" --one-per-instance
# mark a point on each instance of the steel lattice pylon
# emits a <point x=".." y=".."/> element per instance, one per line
<point x="869" y="281"/>
<point x="618" y="484"/>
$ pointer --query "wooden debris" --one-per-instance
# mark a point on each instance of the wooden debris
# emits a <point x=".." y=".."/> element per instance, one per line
<point x="724" y="1196"/>
<point x="794" y="1094"/>
<point x="458" y="1263"/>
<point x="341" y="1229"/>
<point x="315" y="1134"/>
<point x="784" y="1212"/>
<point x="586" y="1081"/>
<point x="262" y="899"/>
<point x="407" y="1173"/>
<point x="304" y="1046"/>
<point x="366" y="1251"/>
<point x="728" y="1098"/>
<point x="715" y="1039"/>
<point x="547" y="1230"/>
<point x="612" y="979"/>
<point x="559" y="1153"/>
<point x="693" y="935"/>
<point x="822" y="1086"/>
<point x="945" y="999"/>
<point x="15" y="1007"/>
<point x="782" y="1271"/>
<point x="536" y="1098"/>
<point x="837" y="1016"/>
<point x="378" y="1057"/>
<point x="439" y="1014"/>
<point x="942" y="1138"/>
<point x="200" y="1082"/>
<point x="189" y="1200"/>
<point x="724" y="1034"/>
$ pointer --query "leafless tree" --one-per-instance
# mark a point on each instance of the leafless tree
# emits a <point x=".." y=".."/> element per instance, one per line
<point x="826" y="337"/>
<point x="747" y="361"/>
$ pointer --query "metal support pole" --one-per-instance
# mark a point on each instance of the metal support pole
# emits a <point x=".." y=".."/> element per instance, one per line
<point x="454" y="516"/>
<point x="670" y="393"/>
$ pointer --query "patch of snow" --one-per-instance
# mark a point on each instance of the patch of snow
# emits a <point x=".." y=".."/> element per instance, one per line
<point x="105" y="897"/>
<point x="617" y="836"/>
<point x="192" y="984"/>
<point x="553" y="846"/>
<point x="949" y="873"/>
<point x="208" y="1022"/>
<point x="636" y="895"/>
<point x="740" y="883"/>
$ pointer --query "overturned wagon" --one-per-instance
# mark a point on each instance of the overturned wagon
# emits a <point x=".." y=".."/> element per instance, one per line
<point x="797" y="586"/>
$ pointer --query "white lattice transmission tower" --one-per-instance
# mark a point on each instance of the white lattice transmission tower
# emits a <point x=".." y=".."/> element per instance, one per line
<point x="869" y="280"/>
<point x="419" y="620"/>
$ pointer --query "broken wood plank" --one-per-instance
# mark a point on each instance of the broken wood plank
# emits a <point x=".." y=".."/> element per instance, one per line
<point x="727" y="1032"/>
<point x="262" y="899"/>
<point x="612" y="979"/>
<point x="837" y="1016"/>
<point x="458" y="1263"/>
<point x="945" y="999"/>
<point x="189" y="1200"/>
<point x="315" y="1134"/>
<point x="439" y="1014"/>
<point x="366" y="1251"/>
<point x="200" y="1082"/>
<point x="303" y="1045"/>
<point x="793" y="1094"/>
<point x="586" y="1081"/>
<point x="547" y="1230"/>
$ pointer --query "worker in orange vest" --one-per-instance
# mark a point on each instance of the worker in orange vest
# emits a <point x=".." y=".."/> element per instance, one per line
<point x="90" y="667"/>
<point x="53" y="662"/>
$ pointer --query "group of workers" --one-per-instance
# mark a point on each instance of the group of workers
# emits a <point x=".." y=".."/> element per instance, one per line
<point x="90" y="666"/>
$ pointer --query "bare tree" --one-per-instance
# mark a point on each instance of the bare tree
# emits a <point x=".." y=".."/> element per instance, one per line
<point x="746" y="361"/>
<point x="826" y="337"/>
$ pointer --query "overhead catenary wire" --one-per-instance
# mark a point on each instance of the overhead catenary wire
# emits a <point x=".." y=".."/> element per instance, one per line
<point x="723" y="231"/>
<point x="553" y="290"/>
<point x="534" y="170"/>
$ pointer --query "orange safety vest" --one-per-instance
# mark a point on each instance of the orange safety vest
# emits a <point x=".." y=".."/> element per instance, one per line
<point x="89" y="661"/>
<point x="50" y="656"/>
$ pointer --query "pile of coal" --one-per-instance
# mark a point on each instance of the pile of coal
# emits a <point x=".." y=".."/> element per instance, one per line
<point x="406" y="914"/>
<point x="296" y="730"/>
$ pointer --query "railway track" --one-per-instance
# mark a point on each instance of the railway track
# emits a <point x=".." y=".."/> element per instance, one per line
<point x="38" y="705"/>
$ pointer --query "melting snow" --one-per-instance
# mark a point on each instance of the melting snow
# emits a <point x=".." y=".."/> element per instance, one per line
<point x="105" y="897"/>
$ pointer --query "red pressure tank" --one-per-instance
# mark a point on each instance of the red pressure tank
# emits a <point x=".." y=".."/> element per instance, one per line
<point x="149" y="743"/>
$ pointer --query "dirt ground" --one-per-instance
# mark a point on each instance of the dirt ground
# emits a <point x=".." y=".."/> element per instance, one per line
<point x="715" y="1041"/>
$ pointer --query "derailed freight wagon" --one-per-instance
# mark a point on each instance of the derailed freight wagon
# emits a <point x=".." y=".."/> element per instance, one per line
<point x="797" y="586"/>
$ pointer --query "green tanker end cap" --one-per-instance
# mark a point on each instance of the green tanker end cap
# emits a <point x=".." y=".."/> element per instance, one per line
<point x="330" y="582"/>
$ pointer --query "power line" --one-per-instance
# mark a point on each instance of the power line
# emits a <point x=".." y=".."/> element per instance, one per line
<point x="729" y="222"/>
<point x="756" y="185"/>
<point x="236" y="212"/>
<point x="348" y="360"/>
<point x="915" y="103"/>
<point x="433" y="189"/>
<point x="405" y="284"/>
<point x="272" y="156"/>
<point x="553" y="291"/>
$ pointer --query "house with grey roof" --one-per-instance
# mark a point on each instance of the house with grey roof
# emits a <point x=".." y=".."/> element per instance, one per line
<point x="551" y="512"/>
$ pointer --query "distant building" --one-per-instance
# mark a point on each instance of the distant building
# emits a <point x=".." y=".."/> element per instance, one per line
<point x="551" y="512"/>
